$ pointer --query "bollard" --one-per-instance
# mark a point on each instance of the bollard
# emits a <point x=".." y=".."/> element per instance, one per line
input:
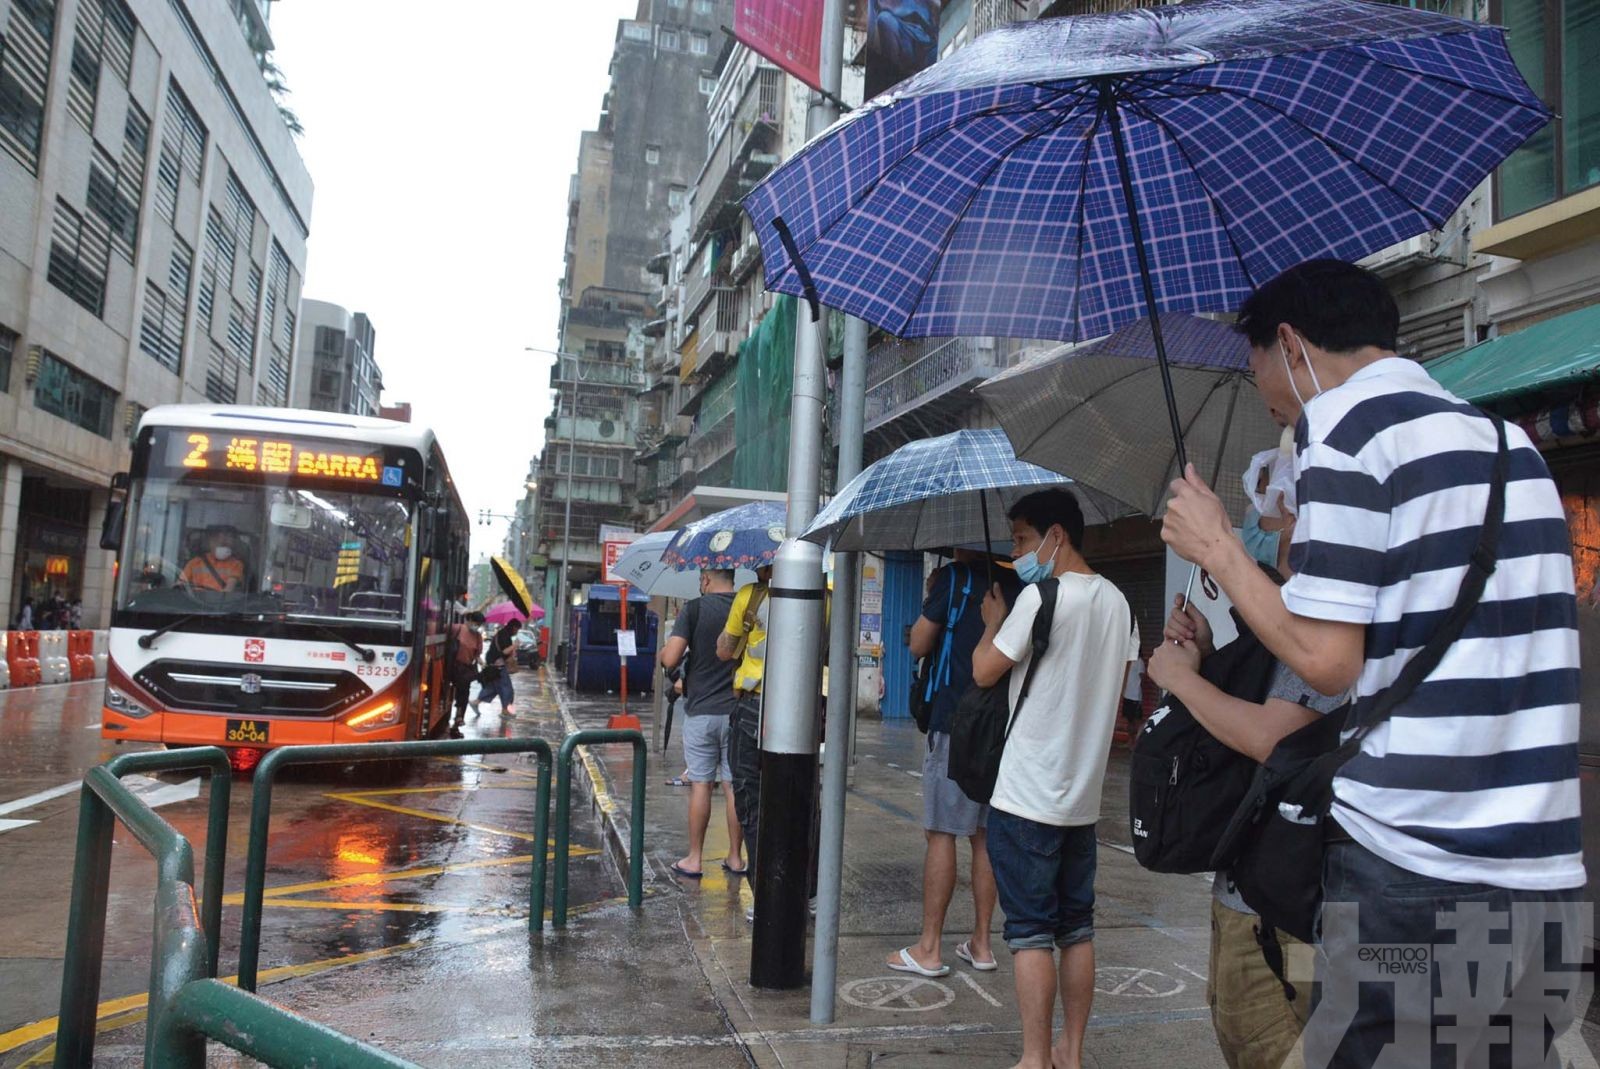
<point x="255" y="872"/>
<point x="558" y="909"/>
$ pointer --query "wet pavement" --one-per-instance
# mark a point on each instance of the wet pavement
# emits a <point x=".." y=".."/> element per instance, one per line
<point x="397" y="913"/>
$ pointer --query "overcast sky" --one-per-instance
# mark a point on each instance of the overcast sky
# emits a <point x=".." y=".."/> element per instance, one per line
<point x="440" y="138"/>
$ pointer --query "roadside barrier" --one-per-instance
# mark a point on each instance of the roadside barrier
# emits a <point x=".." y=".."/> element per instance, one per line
<point x="255" y="872"/>
<point x="53" y="664"/>
<point x="31" y="658"/>
<point x="80" y="654"/>
<point x="186" y="1004"/>
<point x="22" y="654"/>
<point x="569" y="745"/>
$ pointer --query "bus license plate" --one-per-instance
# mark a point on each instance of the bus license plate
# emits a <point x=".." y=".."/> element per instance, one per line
<point x="252" y="731"/>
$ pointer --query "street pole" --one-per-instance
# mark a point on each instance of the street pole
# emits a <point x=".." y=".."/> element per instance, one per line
<point x="566" y="527"/>
<point x="841" y="689"/>
<point x="793" y="668"/>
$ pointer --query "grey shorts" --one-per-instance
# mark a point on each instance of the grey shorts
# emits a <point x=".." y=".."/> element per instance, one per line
<point x="945" y="806"/>
<point x="705" y="749"/>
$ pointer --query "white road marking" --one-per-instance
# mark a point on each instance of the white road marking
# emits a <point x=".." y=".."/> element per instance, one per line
<point x="990" y="999"/>
<point x="897" y="994"/>
<point x="92" y="727"/>
<point x="911" y="773"/>
<point x="13" y="825"/>
<point x="154" y="792"/>
<point x="1190" y="971"/>
<point x="43" y="796"/>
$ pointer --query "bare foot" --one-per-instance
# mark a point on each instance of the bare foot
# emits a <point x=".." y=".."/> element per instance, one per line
<point x="1059" y="1060"/>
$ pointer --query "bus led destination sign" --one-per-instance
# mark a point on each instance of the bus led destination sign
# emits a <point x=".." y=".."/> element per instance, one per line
<point x="207" y="451"/>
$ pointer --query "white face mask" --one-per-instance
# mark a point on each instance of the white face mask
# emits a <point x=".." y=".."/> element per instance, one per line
<point x="222" y="552"/>
<point x="1284" y="355"/>
<point x="1277" y="500"/>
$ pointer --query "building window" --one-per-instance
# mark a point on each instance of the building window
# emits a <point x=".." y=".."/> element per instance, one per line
<point x="8" y="345"/>
<point x="62" y="390"/>
<point x="699" y="43"/>
<point x="28" y="32"/>
<point x="636" y="31"/>
<point x="80" y="255"/>
<point x="675" y="3"/>
<point x="677" y="197"/>
<point x="115" y="199"/>
<point x="1547" y="39"/>
<point x="161" y="327"/>
<point x="652" y="154"/>
<point x="667" y="40"/>
<point x="704" y="7"/>
<point x="183" y="149"/>
<point x="708" y="84"/>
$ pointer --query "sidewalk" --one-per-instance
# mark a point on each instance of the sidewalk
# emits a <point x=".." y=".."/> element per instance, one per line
<point x="1152" y="939"/>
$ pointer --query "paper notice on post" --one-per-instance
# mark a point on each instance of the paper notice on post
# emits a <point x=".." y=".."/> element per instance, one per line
<point x="626" y="646"/>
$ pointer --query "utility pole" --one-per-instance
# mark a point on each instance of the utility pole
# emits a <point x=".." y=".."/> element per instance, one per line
<point x="841" y="689"/>
<point x="564" y="609"/>
<point x="791" y="684"/>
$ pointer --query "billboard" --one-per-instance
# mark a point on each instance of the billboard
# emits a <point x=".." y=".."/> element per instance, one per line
<point x="902" y="39"/>
<point x="787" y="32"/>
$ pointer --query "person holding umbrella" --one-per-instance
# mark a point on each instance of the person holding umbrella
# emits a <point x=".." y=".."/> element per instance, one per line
<point x="1413" y="506"/>
<point x="467" y="640"/>
<point x="495" y="679"/>
<point x="709" y="701"/>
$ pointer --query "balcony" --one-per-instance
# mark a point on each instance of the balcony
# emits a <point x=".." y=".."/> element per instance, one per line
<point x="742" y="156"/>
<point x="559" y="430"/>
<point x="722" y="329"/>
<point x="940" y="372"/>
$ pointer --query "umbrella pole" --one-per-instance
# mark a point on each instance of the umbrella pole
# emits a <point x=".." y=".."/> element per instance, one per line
<point x="1108" y="107"/>
<point x="988" y="543"/>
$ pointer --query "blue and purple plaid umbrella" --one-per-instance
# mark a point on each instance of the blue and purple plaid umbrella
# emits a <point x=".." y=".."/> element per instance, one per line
<point x="1061" y="178"/>
<point x="745" y="536"/>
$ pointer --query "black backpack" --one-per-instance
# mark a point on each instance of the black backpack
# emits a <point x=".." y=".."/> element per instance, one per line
<point x="982" y="722"/>
<point x="932" y="672"/>
<point x="1183" y="784"/>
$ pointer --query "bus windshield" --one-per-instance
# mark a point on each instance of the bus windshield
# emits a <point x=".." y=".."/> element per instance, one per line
<point x="198" y="546"/>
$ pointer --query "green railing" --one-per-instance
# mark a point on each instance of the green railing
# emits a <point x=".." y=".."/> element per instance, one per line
<point x="185" y="1003"/>
<point x="255" y="873"/>
<point x="558" y="907"/>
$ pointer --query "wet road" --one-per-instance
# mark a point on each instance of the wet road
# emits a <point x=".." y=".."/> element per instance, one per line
<point x="361" y="865"/>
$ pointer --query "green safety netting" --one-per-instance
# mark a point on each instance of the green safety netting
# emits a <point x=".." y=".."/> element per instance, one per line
<point x="761" y="417"/>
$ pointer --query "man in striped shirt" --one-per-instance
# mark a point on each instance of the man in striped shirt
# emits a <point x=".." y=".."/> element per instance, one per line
<point x="1469" y="792"/>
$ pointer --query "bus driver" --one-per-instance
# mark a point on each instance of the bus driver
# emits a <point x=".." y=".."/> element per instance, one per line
<point x="217" y="568"/>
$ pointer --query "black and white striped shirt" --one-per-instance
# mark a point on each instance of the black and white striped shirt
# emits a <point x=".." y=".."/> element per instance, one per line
<point x="1475" y="777"/>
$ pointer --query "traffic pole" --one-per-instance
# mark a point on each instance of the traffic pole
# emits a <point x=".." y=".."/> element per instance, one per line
<point x="623" y="657"/>
<point x="841" y="689"/>
<point x="792" y="681"/>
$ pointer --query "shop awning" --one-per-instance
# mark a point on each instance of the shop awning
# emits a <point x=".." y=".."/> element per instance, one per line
<point x="1563" y="351"/>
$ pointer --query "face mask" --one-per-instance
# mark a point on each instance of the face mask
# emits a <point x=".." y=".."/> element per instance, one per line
<point x="1261" y="545"/>
<point x="1277" y="500"/>
<point x="1030" y="569"/>
<point x="1283" y="354"/>
<point x="222" y="552"/>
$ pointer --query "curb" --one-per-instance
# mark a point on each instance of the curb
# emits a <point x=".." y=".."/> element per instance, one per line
<point x="613" y="819"/>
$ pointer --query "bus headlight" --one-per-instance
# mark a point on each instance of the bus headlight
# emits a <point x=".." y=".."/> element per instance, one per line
<point x="383" y="715"/>
<point x="121" y="703"/>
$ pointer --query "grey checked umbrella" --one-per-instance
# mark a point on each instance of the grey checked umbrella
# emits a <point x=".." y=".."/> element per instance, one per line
<point x="939" y="492"/>
<point x="1090" y="411"/>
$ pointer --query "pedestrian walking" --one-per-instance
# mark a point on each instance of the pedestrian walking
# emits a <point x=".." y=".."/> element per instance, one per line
<point x="25" y="615"/>
<point x="1468" y="791"/>
<point x="949" y="630"/>
<point x="743" y="642"/>
<point x="709" y="702"/>
<point x="1046" y="799"/>
<point x="495" y="679"/>
<point x="466" y="640"/>
<point x="1256" y="1011"/>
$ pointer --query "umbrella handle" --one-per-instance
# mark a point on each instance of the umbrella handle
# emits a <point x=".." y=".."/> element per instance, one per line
<point x="806" y="285"/>
<point x="988" y="543"/>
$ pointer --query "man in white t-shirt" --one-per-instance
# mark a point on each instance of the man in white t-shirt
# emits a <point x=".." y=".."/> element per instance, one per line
<point x="1047" y="798"/>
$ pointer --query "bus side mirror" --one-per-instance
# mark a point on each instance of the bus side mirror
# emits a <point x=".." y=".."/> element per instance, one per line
<point x="439" y="533"/>
<point x="116" y="512"/>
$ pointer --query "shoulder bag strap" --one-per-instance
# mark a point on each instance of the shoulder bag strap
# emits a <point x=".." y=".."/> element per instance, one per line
<point x="1042" y="623"/>
<point x="1425" y="660"/>
<point x="952" y="615"/>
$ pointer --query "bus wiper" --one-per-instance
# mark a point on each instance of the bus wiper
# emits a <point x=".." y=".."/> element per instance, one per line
<point x="361" y="651"/>
<point x="146" y="641"/>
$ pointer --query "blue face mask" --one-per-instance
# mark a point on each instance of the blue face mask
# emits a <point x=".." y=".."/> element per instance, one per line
<point x="1030" y="569"/>
<point x="1262" y="545"/>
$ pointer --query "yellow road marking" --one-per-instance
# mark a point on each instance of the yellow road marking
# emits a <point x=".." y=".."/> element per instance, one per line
<point x="367" y="879"/>
<point x="356" y="799"/>
<point x="500" y="768"/>
<point x="398" y="907"/>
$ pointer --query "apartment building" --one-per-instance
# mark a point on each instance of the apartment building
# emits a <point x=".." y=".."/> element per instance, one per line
<point x="154" y="211"/>
<point x="335" y="369"/>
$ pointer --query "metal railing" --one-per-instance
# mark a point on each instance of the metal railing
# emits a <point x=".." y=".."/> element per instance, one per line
<point x="186" y="1003"/>
<point x="956" y="360"/>
<point x="255" y="872"/>
<point x="569" y="745"/>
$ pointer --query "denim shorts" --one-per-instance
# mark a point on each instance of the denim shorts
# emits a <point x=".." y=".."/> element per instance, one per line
<point x="1045" y="878"/>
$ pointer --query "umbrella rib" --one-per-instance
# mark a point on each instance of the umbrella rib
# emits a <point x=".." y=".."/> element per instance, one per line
<point x="1428" y="76"/>
<point x="1187" y="427"/>
<point x="1149" y="113"/>
<point x="1083" y="196"/>
<point x="998" y="110"/>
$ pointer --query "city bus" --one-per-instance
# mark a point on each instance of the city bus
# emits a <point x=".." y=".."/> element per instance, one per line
<point x="283" y="577"/>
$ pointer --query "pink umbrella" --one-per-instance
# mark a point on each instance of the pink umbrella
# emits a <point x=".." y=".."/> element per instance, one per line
<point x="503" y="612"/>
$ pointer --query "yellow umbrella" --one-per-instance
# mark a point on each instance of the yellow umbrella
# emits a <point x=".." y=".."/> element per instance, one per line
<point x="512" y="584"/>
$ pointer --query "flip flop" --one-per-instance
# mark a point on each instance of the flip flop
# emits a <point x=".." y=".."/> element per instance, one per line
<point x="910" y="964"/>
<point x="730" y="870"/>
<point x="677" y="781"/>
<point x="964" y="952"/>
<point x="685" y="873"/>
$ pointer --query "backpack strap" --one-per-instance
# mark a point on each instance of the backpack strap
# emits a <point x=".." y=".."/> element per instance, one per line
<point x="952" y="615"/>
<point x="1042" y="622"/>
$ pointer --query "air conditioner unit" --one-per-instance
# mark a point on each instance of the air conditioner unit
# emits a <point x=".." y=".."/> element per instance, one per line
<point x="1403" y="256"/>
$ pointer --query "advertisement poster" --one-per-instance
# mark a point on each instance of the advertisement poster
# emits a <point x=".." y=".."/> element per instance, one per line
<point x="902" y="39"/>
<point x="787" y="32"/>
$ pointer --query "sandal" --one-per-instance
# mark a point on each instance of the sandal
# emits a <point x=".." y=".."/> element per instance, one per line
<point x="910" y="964"/>
<point x="677" y="781"/>
<point x="679" y="870"/>
<point x="964" y="952"/>
<point x="731" y="871"/>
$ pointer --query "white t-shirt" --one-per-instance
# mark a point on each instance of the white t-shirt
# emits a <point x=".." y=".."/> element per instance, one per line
<point x="1055" y="760"/>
